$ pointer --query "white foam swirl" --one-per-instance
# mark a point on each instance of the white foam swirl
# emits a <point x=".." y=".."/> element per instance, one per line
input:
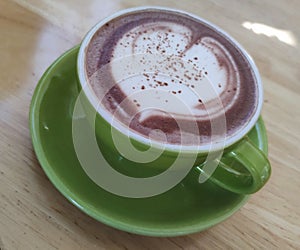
<point x="162" y="56"/>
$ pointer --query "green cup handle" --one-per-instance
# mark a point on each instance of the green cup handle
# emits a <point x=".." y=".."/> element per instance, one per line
<point x="243" y="169"/>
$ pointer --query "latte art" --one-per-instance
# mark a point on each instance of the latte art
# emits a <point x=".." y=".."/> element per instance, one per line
<point x="162" y="70"/>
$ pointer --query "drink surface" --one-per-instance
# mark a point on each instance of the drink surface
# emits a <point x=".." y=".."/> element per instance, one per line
<point x="159" y="70"/>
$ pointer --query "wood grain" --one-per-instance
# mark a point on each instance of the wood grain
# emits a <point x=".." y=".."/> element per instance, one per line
<point x="34" y="215"/>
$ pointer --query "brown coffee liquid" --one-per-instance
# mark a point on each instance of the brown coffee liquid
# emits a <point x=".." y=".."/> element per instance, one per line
<point x="145" y="61"/>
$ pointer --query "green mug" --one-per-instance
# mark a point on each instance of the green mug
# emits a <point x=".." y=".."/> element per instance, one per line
<point x="237" y="164"/>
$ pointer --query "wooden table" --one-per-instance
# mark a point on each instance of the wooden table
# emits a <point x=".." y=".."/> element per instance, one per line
<point x="34" y="215"/>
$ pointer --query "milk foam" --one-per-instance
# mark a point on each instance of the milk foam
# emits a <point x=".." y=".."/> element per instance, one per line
<point x="159" y="56"/>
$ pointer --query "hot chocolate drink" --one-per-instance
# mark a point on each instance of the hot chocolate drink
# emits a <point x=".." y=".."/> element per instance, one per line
<point x="164" y="70"/>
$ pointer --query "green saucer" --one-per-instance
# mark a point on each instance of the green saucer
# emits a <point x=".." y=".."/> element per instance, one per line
<point x="185" y="209"/>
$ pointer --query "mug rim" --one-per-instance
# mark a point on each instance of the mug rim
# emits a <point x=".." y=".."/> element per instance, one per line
<point x="122" y="128"/>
